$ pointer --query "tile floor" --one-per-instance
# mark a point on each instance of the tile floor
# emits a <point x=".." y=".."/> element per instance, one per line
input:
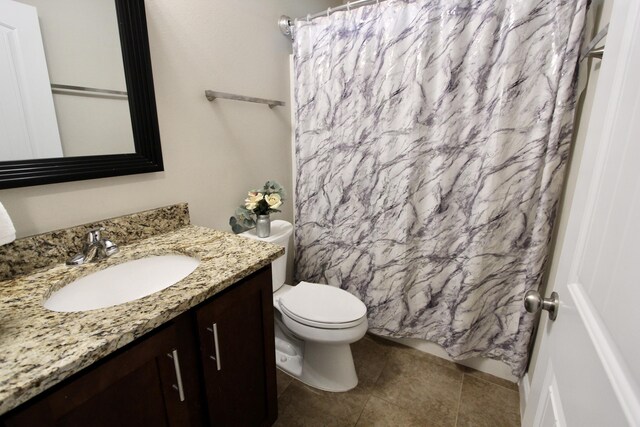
<point x="401" y="386"/>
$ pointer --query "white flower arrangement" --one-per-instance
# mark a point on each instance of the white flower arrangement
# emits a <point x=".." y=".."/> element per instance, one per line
<point x="258" y="202"/>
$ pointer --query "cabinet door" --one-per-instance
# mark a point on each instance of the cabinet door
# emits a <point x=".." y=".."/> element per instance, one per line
<point x="138" y="386"/>
<point x="238" y="354"/>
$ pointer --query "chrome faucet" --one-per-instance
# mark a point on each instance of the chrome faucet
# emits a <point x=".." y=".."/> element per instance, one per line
<point x="94" y="249"/>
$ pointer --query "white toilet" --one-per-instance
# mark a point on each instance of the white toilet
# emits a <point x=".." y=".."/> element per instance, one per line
<point x="314" y="324"/>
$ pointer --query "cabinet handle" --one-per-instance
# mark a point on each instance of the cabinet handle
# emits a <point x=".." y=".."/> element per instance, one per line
<point x="214" y="330"/>
<point x="176" y="364"/>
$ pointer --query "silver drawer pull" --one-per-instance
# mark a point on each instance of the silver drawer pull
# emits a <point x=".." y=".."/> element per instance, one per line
<point x="176" y="364"/>
<point x="214" y="331"/>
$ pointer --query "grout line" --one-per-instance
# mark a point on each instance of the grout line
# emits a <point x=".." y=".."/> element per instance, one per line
<point x="386" y="362"/>
<point x="375" y="383"/>
<point x="459" y="400"/>
<point x="402" y="348"/>
<point x="384" y="366"/>
<point x="362" y="410"/>
<point x="284" y="389"/>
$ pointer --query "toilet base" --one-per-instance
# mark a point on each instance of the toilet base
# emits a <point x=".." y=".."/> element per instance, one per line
<point x="327" y="367"/>
<point x="321" y="375"/>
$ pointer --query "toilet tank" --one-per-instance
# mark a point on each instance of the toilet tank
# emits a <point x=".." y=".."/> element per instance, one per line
<point x="280" y="235"/>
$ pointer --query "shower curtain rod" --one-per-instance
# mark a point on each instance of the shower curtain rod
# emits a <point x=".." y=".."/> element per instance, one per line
<point x="286" y="23"/>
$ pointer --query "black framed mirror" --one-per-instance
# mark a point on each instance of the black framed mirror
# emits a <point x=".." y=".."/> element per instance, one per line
<point x="134" y="40"/>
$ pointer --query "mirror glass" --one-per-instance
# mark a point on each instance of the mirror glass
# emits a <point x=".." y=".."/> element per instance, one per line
<point x="63" y="91"/>
<point x="77" y="99"/>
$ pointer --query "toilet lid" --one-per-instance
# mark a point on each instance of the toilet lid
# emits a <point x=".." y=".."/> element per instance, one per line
<point x="323" y="306"/>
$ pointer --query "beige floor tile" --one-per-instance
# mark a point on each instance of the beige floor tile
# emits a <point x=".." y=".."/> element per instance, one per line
<point x="291" y="419"/>
<point x="486" y="404"/>
<point x="369" y="356"/>
<point x="493" y="379"/>
<point x="282" y="381"/>
<point x="417" y="384"/>
<point x="401" y="386"/>
<point x="301" y="405"/>
<point x="447" y="363"/>
<point x="420" y="354"/>
<point x="380" y="413"/>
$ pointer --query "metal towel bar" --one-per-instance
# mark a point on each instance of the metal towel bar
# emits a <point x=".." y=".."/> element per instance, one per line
<point x="58" y="88"/>
<point x="591" y="51"/>
<point x="211" y="95"/>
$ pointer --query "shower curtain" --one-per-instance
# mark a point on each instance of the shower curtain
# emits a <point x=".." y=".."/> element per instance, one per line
<point x="431" y="139"/>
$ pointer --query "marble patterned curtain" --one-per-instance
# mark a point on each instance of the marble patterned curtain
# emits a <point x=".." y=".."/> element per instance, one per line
<point x="431" y="139"/>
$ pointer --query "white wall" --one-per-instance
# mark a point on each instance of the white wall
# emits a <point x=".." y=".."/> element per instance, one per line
<point x="213" y="152"/>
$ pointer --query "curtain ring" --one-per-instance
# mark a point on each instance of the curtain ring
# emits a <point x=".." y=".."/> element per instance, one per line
<point x="348" y="6"/>
<point x="328" y="11"/>
<point x="308" y="18"/>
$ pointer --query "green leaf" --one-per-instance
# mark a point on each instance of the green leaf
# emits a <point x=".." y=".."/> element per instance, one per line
<point x="271" y="187"/>
<point x="242" y="221"/>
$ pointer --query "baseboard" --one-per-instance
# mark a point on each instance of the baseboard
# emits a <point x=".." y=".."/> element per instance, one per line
<point x="489" y="366"/>
<point x="524" y="385"/>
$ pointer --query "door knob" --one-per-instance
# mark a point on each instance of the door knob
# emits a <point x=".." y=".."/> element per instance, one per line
<point x="533" y="303"/>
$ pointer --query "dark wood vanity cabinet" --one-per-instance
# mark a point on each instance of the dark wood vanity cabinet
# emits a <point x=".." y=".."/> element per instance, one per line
<point x="213" y="365"/>
<point x="137" y="386"/>
<point x="238" y="355"/>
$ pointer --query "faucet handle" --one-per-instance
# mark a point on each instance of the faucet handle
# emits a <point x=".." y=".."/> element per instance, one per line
<point x="109" y="247"/>
<point x="93" y="236"/>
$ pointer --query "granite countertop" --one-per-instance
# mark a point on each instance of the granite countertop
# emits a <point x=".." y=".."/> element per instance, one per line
<point x="41" y="348"/>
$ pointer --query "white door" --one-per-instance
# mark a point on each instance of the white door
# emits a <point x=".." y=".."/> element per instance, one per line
<point x="28" y="125"/>
<point x="588" y="370"/>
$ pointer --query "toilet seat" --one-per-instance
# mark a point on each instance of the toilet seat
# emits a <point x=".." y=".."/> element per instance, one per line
<point x="322" y="306"/>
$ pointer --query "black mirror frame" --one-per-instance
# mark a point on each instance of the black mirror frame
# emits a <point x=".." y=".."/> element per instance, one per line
<point x="134" y="40"/>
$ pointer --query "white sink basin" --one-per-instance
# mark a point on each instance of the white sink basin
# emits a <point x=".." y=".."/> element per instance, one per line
<point x="122" y="283"/>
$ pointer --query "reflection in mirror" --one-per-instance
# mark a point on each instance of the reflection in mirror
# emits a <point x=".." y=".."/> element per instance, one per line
<point x="62" y="81"/>
<point x="27" y="103"/>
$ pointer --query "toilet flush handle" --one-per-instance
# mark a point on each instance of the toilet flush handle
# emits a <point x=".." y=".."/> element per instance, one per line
<point x="214" y="330"/>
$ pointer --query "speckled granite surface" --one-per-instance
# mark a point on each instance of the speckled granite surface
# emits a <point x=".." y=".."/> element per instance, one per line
<point x="41" y="348"/>
<point x="40" y="251"/>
